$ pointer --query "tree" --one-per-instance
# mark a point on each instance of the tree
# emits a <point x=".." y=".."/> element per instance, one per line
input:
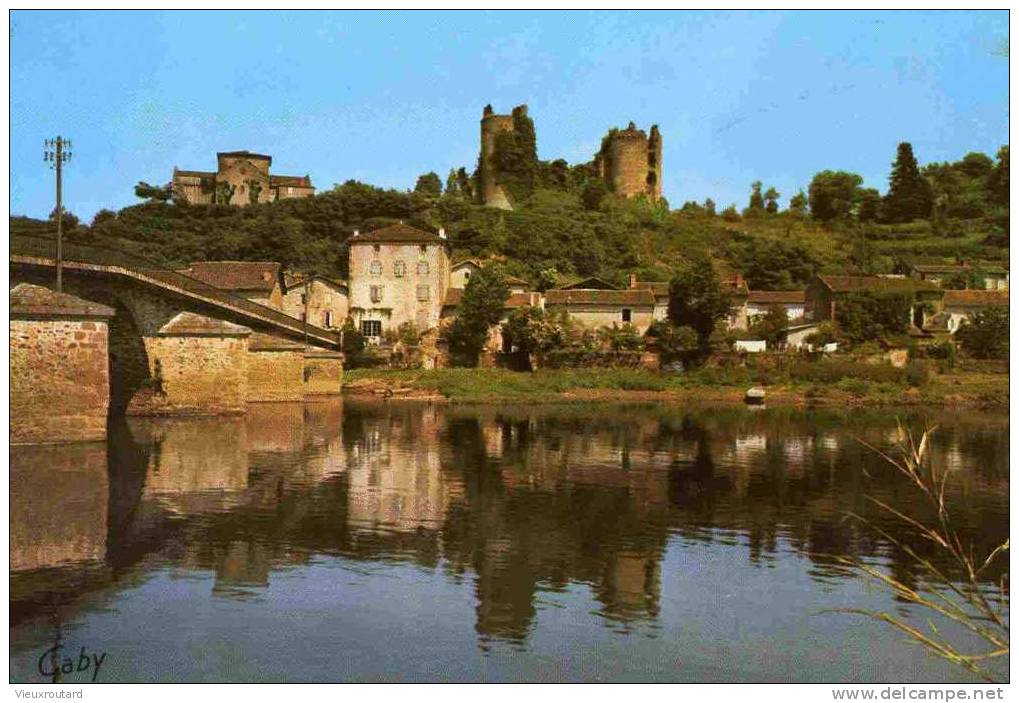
<point x="777" y="264"/>
<point x="696" y="298"/>
<point x="452" y="188"/>
<point x="868" y="205"/>
<point x="771" y="326"/>
<point x="833" y="194"/>
<point x="798" y="204"/>
<point x="480" y="308"/>
<point x="909" y="194"/>
<point x="709" y="206"/>
<point x="756" y="199"/>
<point x="771" y="197"/>
<point x="985" y="334"/>
<point x="102" y="216"/>
<point x="429" y="185"/>
<point x="160" y="194"/>
<point x="997" y="180"/>
<point x="867" y="316"/>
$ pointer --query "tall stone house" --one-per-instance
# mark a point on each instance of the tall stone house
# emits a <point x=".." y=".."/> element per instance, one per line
<point x="398" y="274"/>
<point x="241" y="178"/>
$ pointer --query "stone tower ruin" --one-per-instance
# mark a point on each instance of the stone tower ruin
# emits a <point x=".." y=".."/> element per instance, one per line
<point x="493" y="194"/>
<point x="630" y="162"/>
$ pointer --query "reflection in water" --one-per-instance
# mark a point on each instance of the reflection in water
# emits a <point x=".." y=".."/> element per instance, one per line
<point x="592" y="519"/>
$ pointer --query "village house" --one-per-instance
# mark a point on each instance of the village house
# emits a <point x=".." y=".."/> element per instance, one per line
<point x="398" y="274"/>
<point x="825" y="291"/>
<point x="959" y="306"/>
<point x="990" y="277"/>
<point x="462" y="270"/>
<point x="759" y="302"/>
<point x="318" y="300"/>
<point x="593" y="308"/>
<point x="258" y="281"/>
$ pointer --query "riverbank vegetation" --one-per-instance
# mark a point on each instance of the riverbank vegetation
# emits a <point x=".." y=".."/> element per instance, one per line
<point x="824" y="382"/>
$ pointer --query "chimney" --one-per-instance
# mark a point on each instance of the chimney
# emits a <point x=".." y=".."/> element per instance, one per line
<point x="633" y="280"/>
<point x="442" y="232"/>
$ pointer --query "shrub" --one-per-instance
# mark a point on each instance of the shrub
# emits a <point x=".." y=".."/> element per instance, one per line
<point x="856" y="386"/>
<point x="985" y="335"/>
<point x="917" y="373"/>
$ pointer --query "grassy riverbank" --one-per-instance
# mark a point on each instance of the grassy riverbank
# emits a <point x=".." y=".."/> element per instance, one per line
<point x="825" y="383"/>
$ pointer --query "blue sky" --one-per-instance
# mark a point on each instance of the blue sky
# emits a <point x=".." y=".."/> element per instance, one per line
<point x="382" y="97"/>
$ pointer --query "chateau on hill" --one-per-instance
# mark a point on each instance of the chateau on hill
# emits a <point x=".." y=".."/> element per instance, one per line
<point x="241" y="178"/>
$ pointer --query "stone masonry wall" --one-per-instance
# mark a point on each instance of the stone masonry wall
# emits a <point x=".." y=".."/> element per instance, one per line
<point x="323" y="373"/>
<point x="275" y="375"/>
<point x="195" y="375"/>
<point x="60" y="384"/>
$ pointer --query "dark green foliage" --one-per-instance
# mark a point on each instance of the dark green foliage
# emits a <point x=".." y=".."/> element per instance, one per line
<point x="674" y="342"/>
<point x="962" y="280"/>
<point x="771" y="197"/>
<point x="776" y="264"/>
<point x="593" y="194"/>
<point x="864" y="316"/>
<point x="909" y="194"/>
<point x="868" y="207"/>
<point x="997" y="180"/>
<point x="756" y="199"/>
<point x="918" y="372"/>
<point x="103" y="216"/>
<point x="771" y="326"/>
<point x="155" y="193"/>
<point x="353" y="340"/>
<point x="696" y="298"/>
<point x="985" y="334"/>
<point x="480" y="309"/>
<point x="516" y="157"/>
<point x="709" y="206"/>
<point x="798" y="204"/>
<point x="429" y="185"/>
<point x="833" y="194"/>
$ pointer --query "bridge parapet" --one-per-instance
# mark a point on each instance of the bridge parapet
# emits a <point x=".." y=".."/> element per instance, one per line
<point x="97" y="260"/>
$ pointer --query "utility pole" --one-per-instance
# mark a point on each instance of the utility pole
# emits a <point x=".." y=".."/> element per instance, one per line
<point x="57" y="153"/>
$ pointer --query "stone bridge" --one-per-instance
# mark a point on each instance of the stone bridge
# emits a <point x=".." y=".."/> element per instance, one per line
<point x="178" y="345"/>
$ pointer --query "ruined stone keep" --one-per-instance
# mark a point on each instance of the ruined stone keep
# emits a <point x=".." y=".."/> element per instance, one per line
<point x="630" y="162"/>
<point x="241" y="178"/>
<point x="492" y="193"/>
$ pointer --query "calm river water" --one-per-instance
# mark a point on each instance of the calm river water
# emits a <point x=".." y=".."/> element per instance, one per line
<point x="361" y="541"/>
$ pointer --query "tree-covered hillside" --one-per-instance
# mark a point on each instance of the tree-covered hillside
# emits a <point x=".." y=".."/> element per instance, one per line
<point x="566" y="223"/>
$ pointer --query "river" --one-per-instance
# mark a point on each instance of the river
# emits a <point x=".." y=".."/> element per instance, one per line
<point x="370" y="541"/>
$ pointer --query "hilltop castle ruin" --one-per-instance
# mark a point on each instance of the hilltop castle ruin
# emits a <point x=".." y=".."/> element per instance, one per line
<point x="629" y="161"/>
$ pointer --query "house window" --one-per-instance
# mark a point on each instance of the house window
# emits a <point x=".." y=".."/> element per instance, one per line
<point x="375" y="268"/>
<point x="424" y="248"/>
<point x="376" y="248"/>
<point x="371" y="328"/>
<point x="627" y="314"/>
<point x="424" y="293"/>
<point x="399" y="269"/>
<point x="327" y="318"/>
<point x="467" y="275"/>
<point x="304" y="298"/>
<point x="422" y="268"/>
<point x="376" y="294"/>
